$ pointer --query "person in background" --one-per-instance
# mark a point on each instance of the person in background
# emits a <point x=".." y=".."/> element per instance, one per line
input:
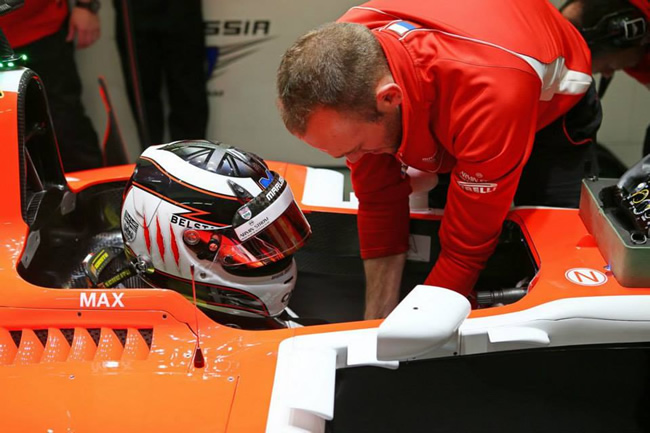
<point x="444" y="86"/>
<point x="47" y="32"/>
<point x="618" y="35"/>
<point x="162" y="45"/>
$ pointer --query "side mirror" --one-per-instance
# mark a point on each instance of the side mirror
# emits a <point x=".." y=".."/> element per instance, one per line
<point x="425" y="320"/>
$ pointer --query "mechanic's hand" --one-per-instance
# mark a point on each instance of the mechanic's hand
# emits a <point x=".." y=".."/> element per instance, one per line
<point x="85" y="26"/>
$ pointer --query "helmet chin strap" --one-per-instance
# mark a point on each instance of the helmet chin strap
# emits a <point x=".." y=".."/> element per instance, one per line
<point x="199" y="360"/>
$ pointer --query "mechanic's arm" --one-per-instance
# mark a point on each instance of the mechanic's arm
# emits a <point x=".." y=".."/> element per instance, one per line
<point x="383" y="278"/>
<point x="383" y="224"/>
<point x="494" y="132"/>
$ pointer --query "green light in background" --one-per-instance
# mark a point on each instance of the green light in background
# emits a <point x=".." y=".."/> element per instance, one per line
<point x="24" y="57"/>
<point x="10" y="64"/>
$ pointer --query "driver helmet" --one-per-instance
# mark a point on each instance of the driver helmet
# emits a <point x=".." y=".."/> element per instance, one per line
<point x="202" y="213"/>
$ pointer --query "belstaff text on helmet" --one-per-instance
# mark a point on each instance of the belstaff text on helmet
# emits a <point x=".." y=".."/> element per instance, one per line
<point x="184" y="222"/>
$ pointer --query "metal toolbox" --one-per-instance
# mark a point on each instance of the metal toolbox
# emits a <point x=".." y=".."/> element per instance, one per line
<point x="629" y="260"/>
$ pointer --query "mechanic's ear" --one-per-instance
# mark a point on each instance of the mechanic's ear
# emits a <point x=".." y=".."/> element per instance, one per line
<point x="389" y="97"/>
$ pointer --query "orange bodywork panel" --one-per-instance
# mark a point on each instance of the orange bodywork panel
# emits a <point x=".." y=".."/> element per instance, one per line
<point x="123" y="360"/>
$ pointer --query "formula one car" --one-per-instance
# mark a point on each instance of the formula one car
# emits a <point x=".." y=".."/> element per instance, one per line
<point x="563" y="346"/>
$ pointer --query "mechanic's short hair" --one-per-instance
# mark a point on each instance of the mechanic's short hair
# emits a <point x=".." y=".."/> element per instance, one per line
<point x="334" y="66"/>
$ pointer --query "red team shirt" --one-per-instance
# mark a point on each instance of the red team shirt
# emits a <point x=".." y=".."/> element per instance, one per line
<point x="641" y="72"/>
<point x="33" y="21"/>
<point x="479" y="78"/>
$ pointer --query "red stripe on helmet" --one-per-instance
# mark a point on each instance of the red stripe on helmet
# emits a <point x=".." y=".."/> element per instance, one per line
<point x="147" y="235"/>
<point x="174" y="245"/>
<point x="160" y="240"/>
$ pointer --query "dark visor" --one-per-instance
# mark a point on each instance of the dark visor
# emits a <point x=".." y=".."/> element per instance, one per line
<point x="267" y="229"/>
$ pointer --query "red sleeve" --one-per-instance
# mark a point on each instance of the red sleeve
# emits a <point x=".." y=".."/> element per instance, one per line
<point x="494" y="115"/>
<point x="383" y="218"/>
<point x="33" y="21"/>
<point x="641" y="72"/>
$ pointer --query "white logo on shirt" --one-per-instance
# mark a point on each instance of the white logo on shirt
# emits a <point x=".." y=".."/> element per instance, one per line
<point x="432" y="158"/>
<point x="480" y="188"/>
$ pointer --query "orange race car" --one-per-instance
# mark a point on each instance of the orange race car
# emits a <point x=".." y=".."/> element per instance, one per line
<point x="561" y="343"/>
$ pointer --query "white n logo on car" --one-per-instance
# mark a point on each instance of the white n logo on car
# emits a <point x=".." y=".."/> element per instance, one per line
<point x="585" y="277"/>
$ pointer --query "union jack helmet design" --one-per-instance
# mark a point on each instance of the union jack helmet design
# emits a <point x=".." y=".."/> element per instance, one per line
<point x="220" y="209"/>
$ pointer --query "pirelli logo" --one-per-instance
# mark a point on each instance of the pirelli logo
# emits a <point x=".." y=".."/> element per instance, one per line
<point x="479" y="188"/>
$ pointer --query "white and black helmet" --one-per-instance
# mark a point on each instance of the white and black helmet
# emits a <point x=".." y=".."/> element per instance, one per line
<point x="221" y="210"/>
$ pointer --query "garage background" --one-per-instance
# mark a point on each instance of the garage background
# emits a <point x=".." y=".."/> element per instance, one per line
<point x="242" y="83"/>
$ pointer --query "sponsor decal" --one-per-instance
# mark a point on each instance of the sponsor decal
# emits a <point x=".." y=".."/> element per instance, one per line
<point x="469" y="178"/>
<point x="477" y="187"/>
<point x="254" y="228"/>
<point x="98" y="262"/>
<point x="184" y="222"/>
<point x="245" y="213"/>
<point x="266" y="217"/>
<point x="250" y="32"/>
<point x="237" y="27"/>
<point x="97" y="300"/>
<point x="585" y="277"/>
<point x="123" y="275"/>
<point x="266" y="181"/>
<point x="432" y="158"/>
<point x="129" y="227"/>
<point x="271" y="193"/>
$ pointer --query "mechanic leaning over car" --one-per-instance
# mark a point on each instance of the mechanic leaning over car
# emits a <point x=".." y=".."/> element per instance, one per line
<point x="618" y="36"/>
<point x="441" y="86"/>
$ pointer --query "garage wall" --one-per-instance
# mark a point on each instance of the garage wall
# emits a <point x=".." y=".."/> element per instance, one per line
<point x="242" y="85"/>
<point x="626" y="109"/>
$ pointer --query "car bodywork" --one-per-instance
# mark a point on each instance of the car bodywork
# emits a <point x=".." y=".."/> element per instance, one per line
<point x="81" y="359"/>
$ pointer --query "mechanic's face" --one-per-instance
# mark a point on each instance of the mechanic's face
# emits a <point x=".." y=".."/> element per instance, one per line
<point x="608" y="63"/>
<point x="342" y="135"/>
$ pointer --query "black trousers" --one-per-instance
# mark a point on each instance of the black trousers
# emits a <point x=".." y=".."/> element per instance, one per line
<point x="169" y="43"/>
<point x="52" y="58"/>
<point x="553" y="174"/>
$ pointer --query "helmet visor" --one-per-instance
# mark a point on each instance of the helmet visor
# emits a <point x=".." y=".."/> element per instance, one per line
<point x="267" y="229"/>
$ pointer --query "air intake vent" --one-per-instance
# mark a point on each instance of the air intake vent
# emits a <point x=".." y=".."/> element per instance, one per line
<point x="15" y="335"/>
<point x="95" y="334"/>
<point x="30" y="346"/>
<point x="121" y="335"/>
<point x="147" y="334"/>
